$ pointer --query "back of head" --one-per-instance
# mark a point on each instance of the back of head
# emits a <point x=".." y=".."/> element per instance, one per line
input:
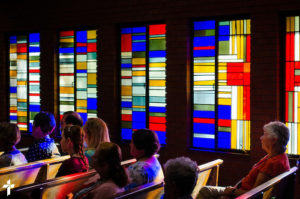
<point x="110" y="153"/>
<point x="147" y="140"/>
<point x="76" y="136"/>
<point x="97" y="132"/>
<point x="183" y="172"/>
<point x="280" y="131"/>
<point x="45" y="121"/>
<point x="9" y="136"/>
<point x="74" y="120"/>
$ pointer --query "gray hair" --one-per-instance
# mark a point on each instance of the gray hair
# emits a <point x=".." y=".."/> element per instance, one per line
<point x="183" y="172"/>
<point x="280" y="131"/>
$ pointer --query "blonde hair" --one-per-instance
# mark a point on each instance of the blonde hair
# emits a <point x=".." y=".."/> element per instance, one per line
<point x="97" y="132"/>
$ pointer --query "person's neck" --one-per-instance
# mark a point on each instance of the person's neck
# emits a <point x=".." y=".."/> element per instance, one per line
<point x="72" y="154"/>
<point x="273" y="153"/>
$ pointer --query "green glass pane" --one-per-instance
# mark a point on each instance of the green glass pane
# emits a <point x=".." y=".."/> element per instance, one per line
<point x="157" y="44"/>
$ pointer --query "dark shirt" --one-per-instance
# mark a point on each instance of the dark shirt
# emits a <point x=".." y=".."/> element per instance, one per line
<point x="72" y="165"/>
<point x="43" y="148"/>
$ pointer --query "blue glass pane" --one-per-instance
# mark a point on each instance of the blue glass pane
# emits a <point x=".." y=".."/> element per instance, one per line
<point x="81" y="36"/>
<point x="66" y="50"/>
<point x="161" y="136"/>
<point x="92" y="103"/>
<point x="157" y="109"/>
<point x="224" y="38"/>
<point x="204" y="25"/>
<point x="224" y="140"/>
<point x="204" y="128"/>
<point x="224" y="112"/>
<point x="139" y="30"/>
<point x="34" y="37"/>
<point x="161" y="53"/>
<point x="139" y="37"/>
<point x="81" y="49"/>
<point x="126" y="104"/>
<point x="13" y="39"/>
<point x="204" y="114"/>
<point x="204" y="41"/>
<point x="204" y="142"/>
<point x="126" y="30"/>
<point x="224" y="30"/>
<point x="204" y="53"/>
<point x="126" y="134"/>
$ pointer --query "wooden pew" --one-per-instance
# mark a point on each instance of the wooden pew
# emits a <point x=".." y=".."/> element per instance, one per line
<point x="280" y="187"/>
<point x="208" y="175"/>
<point x="61" y="186"/>
<point x="30" y="173"/>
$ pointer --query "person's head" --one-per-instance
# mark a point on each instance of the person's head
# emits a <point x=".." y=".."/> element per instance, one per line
<point x="275" y="138"/>
<point x="144" y="143"/>
<point x="95" y="132"/>
<point x="107" y="162"/>
<point x="72" y="141"/>
<point x="181" y="176"/>
<point x="70" y="117"/>
<point x="9" y="136"/>
<point x="43" y="124"/>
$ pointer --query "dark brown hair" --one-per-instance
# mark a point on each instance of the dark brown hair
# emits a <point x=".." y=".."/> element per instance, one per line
<point x="111" y="154"/>
<point x="147" y="140"/>
<point x="9" y="136"/>
<point x="75" y="134"/>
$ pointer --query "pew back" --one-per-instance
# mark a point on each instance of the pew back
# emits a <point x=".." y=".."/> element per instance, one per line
<point x="33" y="172"/>
<point x="208" y="175"/>
<point x="280" y="187"/>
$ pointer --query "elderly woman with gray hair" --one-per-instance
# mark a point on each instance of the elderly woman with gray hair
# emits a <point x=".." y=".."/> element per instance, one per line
<point x="274" y="140"/>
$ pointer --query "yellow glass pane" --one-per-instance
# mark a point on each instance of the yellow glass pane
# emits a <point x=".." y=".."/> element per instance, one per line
<point x="13" y="73"/>
<point x="68" y="40"/>
<point x="81" y="65"/>
<point x="68" y="90"/>
<point x="92" y="78"/>
<point x="138" y="73"/>
<point x="203" y="69"/>
<point x="13" y="49"/>
<point x="81" y="110"/>
<point x="199" y="83"/>
<point x="233" y="134"/>
<point x="157" y="65"/>
<point x="138" y="106"/>
<point x="91" y="34"/>
<point x="126" y="91"/>
<point x="22" y="56"/>
<point x="222" y="76"/>
<point x="22" y="113"/>
<point x="157" y="83"/>
<point x="224" y="101"/>
<point x="81" y="103"/>
<point x="138" y="61"/>
<point x="22" y="83"/>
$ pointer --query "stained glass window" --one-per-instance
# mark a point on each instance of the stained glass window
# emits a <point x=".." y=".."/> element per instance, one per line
<point x="24" y="74"/>
<point x="78" y="72"/>
<point x="292" y="82"/>
<point x="221" y="84"/>
<point x="143" y="79"/>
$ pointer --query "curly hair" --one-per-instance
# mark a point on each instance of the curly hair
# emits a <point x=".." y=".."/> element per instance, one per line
<point x="97" y="132"/>
<point x="111" y="154"/>
<point x="75" y="134"/>
<point x="147" y="140"/>
<point x="183" y="172"/>
<point x="9" y="136"/>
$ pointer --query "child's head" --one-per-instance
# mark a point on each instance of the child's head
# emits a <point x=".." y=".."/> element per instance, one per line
<point x="43" y="124"/>
<point x="107" y="162"/>
<point x="95" y="132"/>
<point x="72" y="141"/>
<point x="70" y="117"/>
<point x="9" y="136"/>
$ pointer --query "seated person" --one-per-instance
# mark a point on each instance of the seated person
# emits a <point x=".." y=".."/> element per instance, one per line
<point x="9" y="137"/>
<point x="72" y="143"/>
<point x="44" y="146"/>
<point x="95" y="132"/>
<point x="274" y="140"/>
<point x="181" y="176"/>
<point x="144" y="145"/>
<point x="107" y="162"/>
